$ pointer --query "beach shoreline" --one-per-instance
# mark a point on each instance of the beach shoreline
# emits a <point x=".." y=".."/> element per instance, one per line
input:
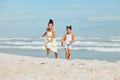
<point x="14" y="67"/>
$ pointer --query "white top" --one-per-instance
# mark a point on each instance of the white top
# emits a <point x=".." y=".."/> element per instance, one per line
<point x="68" y="38"/>
<point x="49" y="34"/>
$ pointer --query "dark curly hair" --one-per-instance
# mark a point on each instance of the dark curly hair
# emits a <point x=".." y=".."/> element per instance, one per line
<point x="51" y="22"/>
<point x="69" y="27"/>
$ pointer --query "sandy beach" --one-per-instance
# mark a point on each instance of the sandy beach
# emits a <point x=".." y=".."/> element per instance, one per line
<point x="13" y="67"/>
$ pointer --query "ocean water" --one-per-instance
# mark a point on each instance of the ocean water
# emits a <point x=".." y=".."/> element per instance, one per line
<point x="87" y="48"/>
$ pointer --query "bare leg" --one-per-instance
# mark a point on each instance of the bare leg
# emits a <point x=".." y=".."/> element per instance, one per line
<point x="56" y="55"/>
<point x="66" y="55"/>
<point x="48" y="53"/>
<point x="69" y="53"/>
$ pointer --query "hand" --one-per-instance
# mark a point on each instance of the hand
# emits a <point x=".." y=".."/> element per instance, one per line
<point x="42" y="36"/>
<point x="62" y="43"/>
<point x="46" y="35"/>
<point x="71" y="41"/>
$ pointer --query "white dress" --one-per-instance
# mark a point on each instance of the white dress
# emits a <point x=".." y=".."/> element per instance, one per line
<point x="50" y="43"/>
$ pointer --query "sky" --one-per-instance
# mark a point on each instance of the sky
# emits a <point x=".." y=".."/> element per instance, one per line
<point x="87" y="17"/>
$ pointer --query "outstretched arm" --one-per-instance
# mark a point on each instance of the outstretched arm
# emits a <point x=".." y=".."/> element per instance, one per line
<point x="63" y="39"/>
<point x="44" y="34"/>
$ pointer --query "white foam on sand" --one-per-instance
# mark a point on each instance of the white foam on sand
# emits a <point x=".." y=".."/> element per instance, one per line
<point x="14" y="67"/>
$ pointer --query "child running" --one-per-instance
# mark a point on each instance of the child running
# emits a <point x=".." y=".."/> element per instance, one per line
<point x="67" y="41"/>
<point x="50" y="43"/>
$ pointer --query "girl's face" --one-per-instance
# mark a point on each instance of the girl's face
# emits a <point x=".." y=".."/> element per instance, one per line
<point x="50" y="26"/>
<point x="68" y="31"/>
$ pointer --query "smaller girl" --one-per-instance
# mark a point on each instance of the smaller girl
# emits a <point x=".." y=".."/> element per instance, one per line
<point x="67" y="41"/>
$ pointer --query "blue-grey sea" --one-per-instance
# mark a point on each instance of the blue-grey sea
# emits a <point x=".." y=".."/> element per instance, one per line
<point x="86" y="48"/>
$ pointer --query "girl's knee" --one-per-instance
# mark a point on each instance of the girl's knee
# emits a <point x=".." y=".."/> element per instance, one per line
<point x="48" y="49"/>
<point x="56" y="53"/>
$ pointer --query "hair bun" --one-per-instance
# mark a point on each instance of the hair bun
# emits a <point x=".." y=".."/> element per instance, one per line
<point x="70" y="27"/>
<point x="50" y="21"/>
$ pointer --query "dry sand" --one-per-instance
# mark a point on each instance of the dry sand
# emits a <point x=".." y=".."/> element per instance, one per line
<point x="13" y="67"/>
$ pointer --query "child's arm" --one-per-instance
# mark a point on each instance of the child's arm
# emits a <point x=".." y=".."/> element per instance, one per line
<point x="44" y="34"/>
<point x="73" y="38"/>
<point x="63" y="39"/>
